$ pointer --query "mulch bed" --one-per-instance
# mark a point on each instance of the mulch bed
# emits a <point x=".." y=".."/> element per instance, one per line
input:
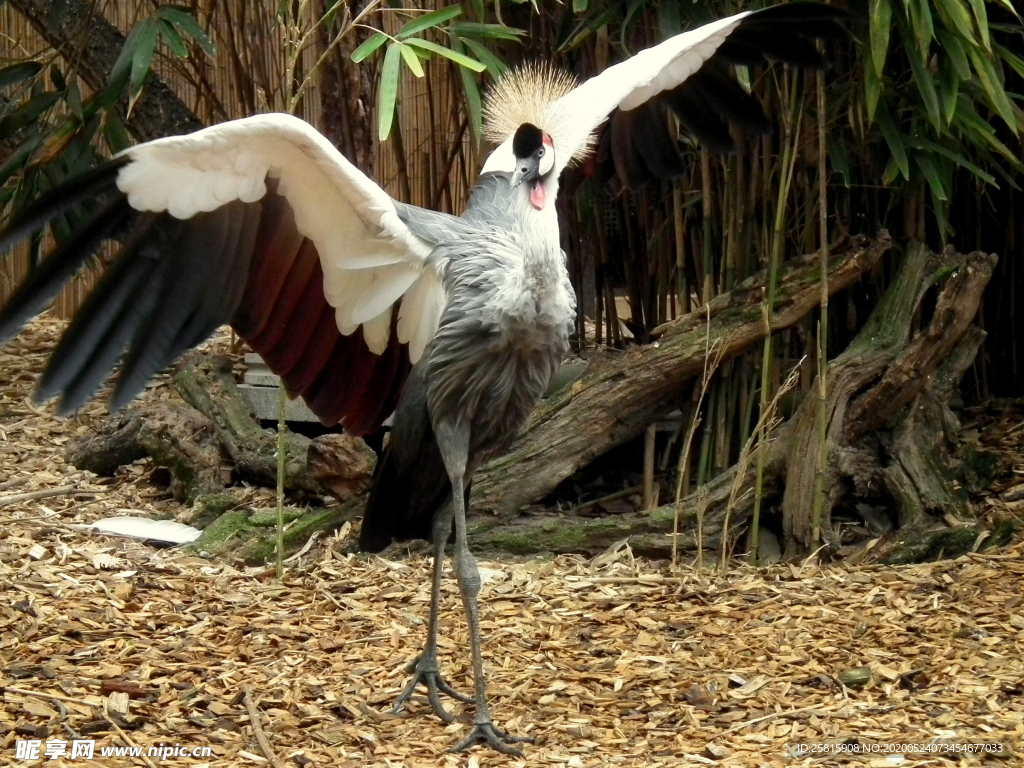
<point x="606" y="662"/>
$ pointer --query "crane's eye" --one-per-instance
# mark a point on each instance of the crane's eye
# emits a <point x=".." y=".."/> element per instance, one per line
<point x="540" y="152"/>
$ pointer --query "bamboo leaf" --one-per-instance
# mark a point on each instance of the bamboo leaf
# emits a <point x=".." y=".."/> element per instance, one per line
<point x="492" y="31"/>
<point x="924" y="27"/>
<point x="387" y="93"/>
<point x="473" y="101"/>
<point x="174" y="41"/>
<point x="958" y="14"/>
<point x="579" y="6"/>
<point x="19" y="72"/>
<point x="951" y="45"/>
<point x="918" y="142"/>
<point x="114" y="133"/>
<point x="981" y="16"/>
<point x="939" y="210"/>
<point x="872" y="90"/>
<point x="981" y="133"/>
<point x="448" y="53"/>
<point x="411" y="59"/>
<point x="479" y="11"/>
<point x="1016" y="62"/>
<point x="371" y="44"/>
<point x="926" y="88"/>
<point x="186" y="23"/>
<point x="881" y="26"/>
<point x="141" y="58"/>
<point x="495" y="66"/>
<point x="989" y="80"/>
<point x="931" y="175"/>
<point x="894" y="139"/>
<point x="428" y="20"/>
<point x="949" y="88"/>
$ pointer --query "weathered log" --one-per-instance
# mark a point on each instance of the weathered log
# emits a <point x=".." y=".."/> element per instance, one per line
<point x="338" y="464"/>
<point x="179" y="439"/>
<point x="217" y="430"/>
<point x="622" y="393"/>
<point x="888" y="373"/>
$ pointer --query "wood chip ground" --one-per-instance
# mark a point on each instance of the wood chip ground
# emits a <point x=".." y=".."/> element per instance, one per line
<point x="613" y="661"/>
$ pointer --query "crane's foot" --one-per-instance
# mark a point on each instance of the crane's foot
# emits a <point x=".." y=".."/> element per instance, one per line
<point x="495" y="738"/>
<point x="425" y="670"/>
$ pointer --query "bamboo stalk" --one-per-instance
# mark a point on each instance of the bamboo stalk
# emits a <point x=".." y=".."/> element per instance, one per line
<point x="819" y="479"/>
<point x="789" y="142"/>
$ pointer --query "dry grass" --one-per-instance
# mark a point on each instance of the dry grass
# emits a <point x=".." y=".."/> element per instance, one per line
<point x="606" y="662"/>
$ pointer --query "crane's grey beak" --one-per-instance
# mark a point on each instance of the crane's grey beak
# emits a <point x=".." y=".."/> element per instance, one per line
<point x="527" y="169"/>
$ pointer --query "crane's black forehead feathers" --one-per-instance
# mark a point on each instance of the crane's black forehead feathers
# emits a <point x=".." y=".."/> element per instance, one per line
<point x="528" y="139"/>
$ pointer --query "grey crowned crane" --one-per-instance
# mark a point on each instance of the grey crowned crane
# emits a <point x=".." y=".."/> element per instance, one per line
<point x="360" y="302"/>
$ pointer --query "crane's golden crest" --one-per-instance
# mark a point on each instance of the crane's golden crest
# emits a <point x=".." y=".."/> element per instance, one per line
<point x="525" y="95"/>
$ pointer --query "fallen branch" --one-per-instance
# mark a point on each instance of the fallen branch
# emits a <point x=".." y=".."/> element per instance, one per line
<point x="619" y="396"/>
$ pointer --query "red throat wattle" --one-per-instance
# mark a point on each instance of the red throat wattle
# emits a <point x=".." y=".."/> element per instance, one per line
<point x="538" y="194"/>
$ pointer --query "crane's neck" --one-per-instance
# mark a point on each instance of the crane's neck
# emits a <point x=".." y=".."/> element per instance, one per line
<point x="539" y="228"/>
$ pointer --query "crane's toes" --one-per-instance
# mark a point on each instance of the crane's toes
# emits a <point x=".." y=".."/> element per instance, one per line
<point x="435" y="684"/>
<point x="495" y="738"/>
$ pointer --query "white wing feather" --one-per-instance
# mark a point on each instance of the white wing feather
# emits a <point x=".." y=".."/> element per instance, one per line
<point x="144" y="528"/>
<point x="370" y="258"/>
<point x="571" y="119"/>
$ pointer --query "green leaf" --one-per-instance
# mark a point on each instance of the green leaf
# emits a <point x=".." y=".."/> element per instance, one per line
<point x="926" y="88"/>
<point x="881" y="26"/>
<point x="1015" y="61"/>
<point x="411" y="59"/>
<point x="495" y="66"/>
<point x="387" y="94"/>
<point x="980" y="132"/>
<point x="939" y="209"/>
<point x="174" y="41"/>
<point x="931" y="174"/>
<point x="579" y="6"/>
<point x="989" y="79"/>
<point x="142" y="57"/>
<point x="952" y="46"/>
<point x="949" y="88"/>
<point x="428" y="20"/>
<point x="448" y="53"/>
<point x="473" y="101"/>
<point x="371" y="44"/>
<point x="957" y="13"/>
<point x="114" y="133"/>
<point x="981" y="16"/>
<point x="930" y="146"/>
<point x="872" y="90"/>
<point x="894" y="139"/>
<point x="924" y="27"/>
<point x="123" y="66"/>
<point x="57" y="79"/>
<point x="186" y="23"/>
<point x="19" y="72"/>
<point x="27" y="113"/>
<point x="840" y="160"/>
<point x="73" y="98"/>
<point x="493" y="31"/>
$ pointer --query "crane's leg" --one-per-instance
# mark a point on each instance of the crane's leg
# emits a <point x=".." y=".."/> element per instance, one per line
<point x="426" y="669"/>
<point x="453" y="440"/>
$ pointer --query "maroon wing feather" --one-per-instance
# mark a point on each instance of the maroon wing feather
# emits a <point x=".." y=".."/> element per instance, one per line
<point x="284" y="316"/>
